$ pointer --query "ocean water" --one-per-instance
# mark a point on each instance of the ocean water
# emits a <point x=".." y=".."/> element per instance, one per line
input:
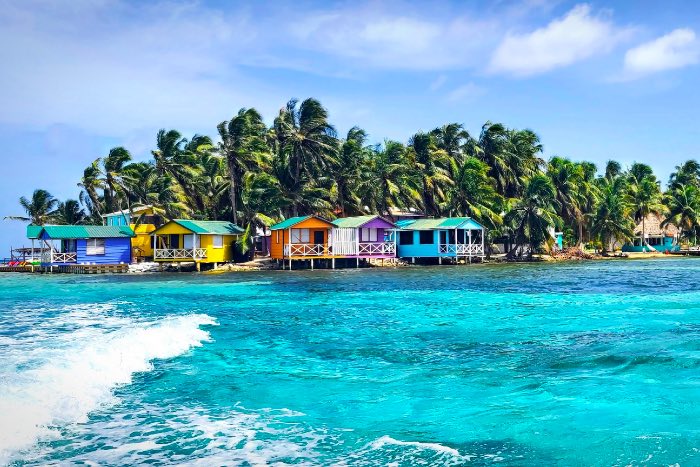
<point x="593" y="363"/>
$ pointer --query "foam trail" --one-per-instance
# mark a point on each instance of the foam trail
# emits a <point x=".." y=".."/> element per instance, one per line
<point x="78" y="375"/>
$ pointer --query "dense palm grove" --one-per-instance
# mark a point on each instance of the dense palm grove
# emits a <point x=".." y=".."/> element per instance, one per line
<point x="255" y="175"/>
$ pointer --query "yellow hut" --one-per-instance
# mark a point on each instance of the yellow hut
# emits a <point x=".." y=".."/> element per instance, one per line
<point x="143" y="220"/>
<point x="182" y="240"/>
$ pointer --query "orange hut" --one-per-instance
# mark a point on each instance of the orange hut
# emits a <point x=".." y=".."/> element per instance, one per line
<point x="301" y="238"/>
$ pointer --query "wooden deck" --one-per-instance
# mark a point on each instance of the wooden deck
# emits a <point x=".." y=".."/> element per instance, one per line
<point x="70" y="269"/>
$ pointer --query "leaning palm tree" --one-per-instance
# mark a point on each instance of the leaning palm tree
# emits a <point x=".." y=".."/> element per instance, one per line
<point x="244" y="148"/>
<point x="40" y="209"/>
<point x="306" y="138"/>
<point x="534" y="216"/>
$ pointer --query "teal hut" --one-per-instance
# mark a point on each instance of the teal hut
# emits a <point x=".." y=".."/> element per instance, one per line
<point x="447" y="237"/>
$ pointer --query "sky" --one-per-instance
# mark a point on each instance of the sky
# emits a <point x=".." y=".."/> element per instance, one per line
<point x="596" y="81"/>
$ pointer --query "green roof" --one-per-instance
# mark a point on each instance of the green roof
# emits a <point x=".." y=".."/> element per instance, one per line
<point x="289" y="222"/>
<point x="209" y="227"/>
<point x="356" y="221"/>
<point x="87" y="231"/>
<point x="33" y="231"/>
<point x="440" y="223"/>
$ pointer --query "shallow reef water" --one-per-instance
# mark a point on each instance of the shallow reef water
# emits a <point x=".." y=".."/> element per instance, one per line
<point x="589" y="363"/>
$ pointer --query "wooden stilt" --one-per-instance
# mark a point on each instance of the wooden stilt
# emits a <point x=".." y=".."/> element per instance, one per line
<point x="358" y="263"/>
<point x="333" y="263"/>
<point x="440" y="260"/>
<point x="198" y="266"/>
<point x="312" y="264"/>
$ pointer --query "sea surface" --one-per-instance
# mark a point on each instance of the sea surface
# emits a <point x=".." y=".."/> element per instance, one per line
<point x="592" y="363"/>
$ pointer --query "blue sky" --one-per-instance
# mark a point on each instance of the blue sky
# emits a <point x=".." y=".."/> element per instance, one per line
<point x="595" y="80"/>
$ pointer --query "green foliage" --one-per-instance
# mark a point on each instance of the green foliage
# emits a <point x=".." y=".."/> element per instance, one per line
<point x="257" y="174"/>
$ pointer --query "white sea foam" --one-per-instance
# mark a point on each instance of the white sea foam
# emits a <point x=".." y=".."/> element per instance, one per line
<point x="388" y="440"/>
<point x="62" y="383"/>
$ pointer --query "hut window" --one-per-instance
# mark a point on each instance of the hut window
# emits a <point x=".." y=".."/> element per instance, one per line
<point x="300" y="235"/>
<point x="95" y="246"/>
<point x="369" y="235"/>
<point x="217" y="241"/>
<point x="406" y="238"/>
<point x="426" y="237"/>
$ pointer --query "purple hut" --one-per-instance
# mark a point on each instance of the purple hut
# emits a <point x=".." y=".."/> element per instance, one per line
<point x="363" y="237"/>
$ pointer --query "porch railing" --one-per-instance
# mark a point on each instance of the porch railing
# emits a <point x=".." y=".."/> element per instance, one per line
<point x="180" y="253"/>
<point x="50" y="257"/>
<point x="383" y="248"/>
<point x="462" y="249"/>
<point x="305" y="249"/>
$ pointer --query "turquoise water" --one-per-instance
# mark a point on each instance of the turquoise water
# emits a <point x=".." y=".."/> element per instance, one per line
<point x="596" y="363"/>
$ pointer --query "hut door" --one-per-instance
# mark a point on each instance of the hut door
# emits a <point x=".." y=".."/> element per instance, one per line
<point x="174" y="241"/>
<point x="318" y="237"/>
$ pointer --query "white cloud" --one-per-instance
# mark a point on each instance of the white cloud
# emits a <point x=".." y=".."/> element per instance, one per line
<point x="677" y="49"/>
<point x="564" y="41"/>
<point x="373" y="37"/>
<point x="466" y="92"/>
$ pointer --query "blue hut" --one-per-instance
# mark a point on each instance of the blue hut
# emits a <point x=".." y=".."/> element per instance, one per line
<point x="447" y="237"/>
<point x="85" y="244"/>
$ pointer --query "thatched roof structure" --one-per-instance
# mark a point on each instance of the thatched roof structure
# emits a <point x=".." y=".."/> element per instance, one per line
<point x="652" y="227"/>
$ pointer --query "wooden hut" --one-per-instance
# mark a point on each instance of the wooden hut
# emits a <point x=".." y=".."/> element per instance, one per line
<point x="448" y="237"/>
<point x="182" y="240"/>
<point x="301" y="238"/>
<point x="364" y="237"/>
<point x="650" y="236"/>
<point x="85" y="244"/>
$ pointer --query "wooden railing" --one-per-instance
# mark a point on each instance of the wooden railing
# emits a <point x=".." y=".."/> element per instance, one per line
<point x="180" y="253"/>
<point x="462" y="249"/>
<point x="305" y="249"/>
<point x="383" y="248"/>
<point x="50" y="257"/>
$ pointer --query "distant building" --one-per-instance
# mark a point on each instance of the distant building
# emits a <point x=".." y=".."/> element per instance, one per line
<point x="656" y="238"/>
<point x="143" y="221"/>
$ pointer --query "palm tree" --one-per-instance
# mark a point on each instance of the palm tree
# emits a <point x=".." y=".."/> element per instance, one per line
<point x="491" y="147"/>
<point x="612" y="220"/>
<point x="388" y="181"/>
<point x="452" y="139"/>
<point x="305" y="137"/>
<point x="432" y="166"/>
<point x="474" y="194"/>
<point x="688" y="173"/>
<point x="91" y="182"/>
<point x="69" y="212"/>
<point x="347" y="172"/>
<point x="112" y="166"/>
<point x="645" y="194"/>
<point x="145" y="186"/>
<point x="40" y="209"/>
<point x="244" y="148"/>
<point x="533" y="216"/>
<point x="683" y="202"/>
<point x="172" y="159"/>
<point x="523" y="158"/>
<point x="575" y="191"/>
<point x="612" y="169"/>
